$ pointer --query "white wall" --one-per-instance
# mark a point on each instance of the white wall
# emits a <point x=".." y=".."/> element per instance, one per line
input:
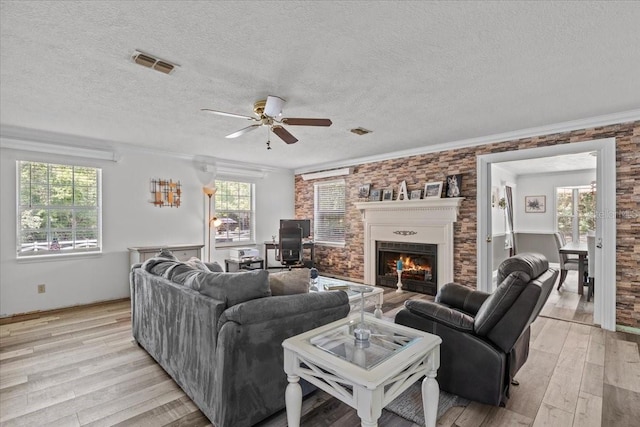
<point x="128" y="220"/>
<point x="544" y="185"/>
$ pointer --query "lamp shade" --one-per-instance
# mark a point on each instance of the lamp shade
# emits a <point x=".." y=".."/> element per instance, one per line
<point x="209" y="191"/>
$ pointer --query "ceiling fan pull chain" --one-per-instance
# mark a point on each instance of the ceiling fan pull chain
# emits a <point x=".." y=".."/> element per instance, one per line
<point x="268" y="139"/>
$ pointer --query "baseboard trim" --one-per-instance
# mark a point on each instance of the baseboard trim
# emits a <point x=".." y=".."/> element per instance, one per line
<point x="21" y="317"/>
<point x="628" y="329"/>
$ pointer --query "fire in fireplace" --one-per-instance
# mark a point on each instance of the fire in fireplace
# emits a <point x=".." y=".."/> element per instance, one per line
<point x="419" y="266"/>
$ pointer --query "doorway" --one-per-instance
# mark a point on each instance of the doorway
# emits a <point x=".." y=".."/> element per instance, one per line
<point x="604" y="305"/>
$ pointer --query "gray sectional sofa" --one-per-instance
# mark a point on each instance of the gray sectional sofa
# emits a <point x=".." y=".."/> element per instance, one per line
<point x="219" y="335"/>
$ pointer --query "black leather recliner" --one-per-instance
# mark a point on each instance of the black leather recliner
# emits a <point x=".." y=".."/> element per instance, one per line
<point x="485" y="337"/>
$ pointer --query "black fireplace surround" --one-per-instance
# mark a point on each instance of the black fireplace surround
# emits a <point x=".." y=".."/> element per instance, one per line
<point x="419" y="266"/>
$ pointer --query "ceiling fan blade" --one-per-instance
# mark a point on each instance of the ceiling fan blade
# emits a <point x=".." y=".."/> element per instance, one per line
<point x="284" y="134"/>
<point x="243" y="131"/>
<point x="273" y="107"/>
<point x="306" y="122"/>
<point x="222" y="113"/>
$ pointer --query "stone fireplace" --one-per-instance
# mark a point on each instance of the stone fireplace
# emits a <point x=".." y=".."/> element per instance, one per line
<point x="420" y="230"/>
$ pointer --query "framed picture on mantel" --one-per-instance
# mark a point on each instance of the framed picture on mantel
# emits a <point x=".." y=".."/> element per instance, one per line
<point x="432" y="189"/>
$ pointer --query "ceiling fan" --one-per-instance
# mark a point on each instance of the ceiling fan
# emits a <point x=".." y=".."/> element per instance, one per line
<point x="269" y="113"/>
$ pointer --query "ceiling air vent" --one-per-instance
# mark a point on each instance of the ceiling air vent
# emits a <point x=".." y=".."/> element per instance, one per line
<point x="150" y="61"/>
<point x="361" y="131"/>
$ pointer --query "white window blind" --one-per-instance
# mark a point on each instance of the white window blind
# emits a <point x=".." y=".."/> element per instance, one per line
<point x="329" y="212"/>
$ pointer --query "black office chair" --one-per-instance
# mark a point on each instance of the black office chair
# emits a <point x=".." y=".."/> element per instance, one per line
<point x="290" y="248"/>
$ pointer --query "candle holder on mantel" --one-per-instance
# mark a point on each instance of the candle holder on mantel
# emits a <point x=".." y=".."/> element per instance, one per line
<point x="399" y="270"/>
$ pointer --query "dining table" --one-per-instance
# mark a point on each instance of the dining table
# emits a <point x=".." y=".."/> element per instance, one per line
<point x="580" y="249"/>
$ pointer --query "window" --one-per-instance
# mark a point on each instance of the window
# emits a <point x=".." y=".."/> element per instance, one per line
<point x="234" y="208"/>
<point x="575" y="212"/>
<point x="58" y="209"/>
<point x="329" y="213"/>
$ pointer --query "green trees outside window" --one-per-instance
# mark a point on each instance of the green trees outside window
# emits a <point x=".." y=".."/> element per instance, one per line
<point x="234" y="207"/>
<point x="58" y="209"/>
<point x="575" y="212"/>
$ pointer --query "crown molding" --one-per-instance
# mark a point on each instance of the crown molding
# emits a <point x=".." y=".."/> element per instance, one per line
<point x="604" y="120"/>
<point x="327" y="174"/>
<point x="19" y="138"/>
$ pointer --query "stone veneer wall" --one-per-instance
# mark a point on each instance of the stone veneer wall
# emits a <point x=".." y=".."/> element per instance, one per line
<point x="417" y="170"/>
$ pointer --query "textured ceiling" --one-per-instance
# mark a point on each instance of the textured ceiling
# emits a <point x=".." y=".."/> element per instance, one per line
<point x="416" y="73"/>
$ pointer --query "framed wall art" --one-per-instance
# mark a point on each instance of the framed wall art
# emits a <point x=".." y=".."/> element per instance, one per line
<point x="432" y="189"/>
<point x="535" y="204"/>
<point x="387" y="194"/>
<point x="415" y="194"/>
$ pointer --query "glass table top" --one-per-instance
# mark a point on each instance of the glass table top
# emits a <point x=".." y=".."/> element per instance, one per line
<point x="383" y="343"/>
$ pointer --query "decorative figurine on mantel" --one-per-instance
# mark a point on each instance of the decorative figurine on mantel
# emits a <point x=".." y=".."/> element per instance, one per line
<point x="399" y="270"/>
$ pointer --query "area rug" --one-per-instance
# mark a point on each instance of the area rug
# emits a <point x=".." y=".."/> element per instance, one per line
<point x="409" y="404"/>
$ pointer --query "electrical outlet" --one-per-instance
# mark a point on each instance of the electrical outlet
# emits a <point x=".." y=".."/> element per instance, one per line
<point x="41" y="288"/>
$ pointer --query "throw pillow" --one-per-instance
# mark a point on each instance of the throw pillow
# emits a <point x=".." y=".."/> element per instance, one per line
<point x="289" y="282"/>
<point x="233" y="288"/>
<point x="197" y="264"/>
<point x="214" y="266"/>
<point x="166" y="253"/>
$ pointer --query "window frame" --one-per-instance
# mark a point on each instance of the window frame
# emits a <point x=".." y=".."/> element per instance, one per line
<point x="22" y="252"/>
<point x="252" y="213"/>
<point x="575" y="216"/>
<point x="318" y="237"/>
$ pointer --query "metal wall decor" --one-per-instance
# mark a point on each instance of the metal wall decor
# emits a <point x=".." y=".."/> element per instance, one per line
<point x="165" y="193"/>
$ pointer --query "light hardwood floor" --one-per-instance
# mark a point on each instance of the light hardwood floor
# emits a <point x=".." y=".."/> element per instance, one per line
<point x="81" y="367"/>
<point x="567" y="304"/>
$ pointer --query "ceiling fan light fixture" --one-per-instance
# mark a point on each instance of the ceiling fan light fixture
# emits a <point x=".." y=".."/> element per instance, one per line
<point x="360" y="131"/>
<point x="273" y="106"/>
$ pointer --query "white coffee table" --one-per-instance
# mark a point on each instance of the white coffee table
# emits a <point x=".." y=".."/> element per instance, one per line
<point x="377" y="295"/>
<point x="366" y="379"/>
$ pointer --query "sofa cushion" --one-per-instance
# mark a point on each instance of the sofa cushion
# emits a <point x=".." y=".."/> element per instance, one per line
<point x="214" y="266"/>
<point x="289" y="282"/>
<point x="197" y="263"/>
<point x="233" y="288"/>
<point x="160" y="266"/>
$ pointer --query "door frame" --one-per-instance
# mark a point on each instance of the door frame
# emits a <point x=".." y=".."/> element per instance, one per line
<point x="604" y="312"/>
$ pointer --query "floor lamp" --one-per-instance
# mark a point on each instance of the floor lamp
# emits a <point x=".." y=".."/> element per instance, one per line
<point x="211" y="220"/>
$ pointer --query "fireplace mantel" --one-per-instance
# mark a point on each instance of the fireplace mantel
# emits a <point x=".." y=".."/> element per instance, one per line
<point x="435" y="208"/>
<point x="419" y="221"/>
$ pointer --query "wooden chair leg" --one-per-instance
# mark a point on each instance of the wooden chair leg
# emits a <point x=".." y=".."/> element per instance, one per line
<point x="563" y="276"/>
<point x="590" y="289"/>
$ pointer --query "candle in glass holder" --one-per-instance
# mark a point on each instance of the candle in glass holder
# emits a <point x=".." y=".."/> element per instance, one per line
<point x="399" y="265"/>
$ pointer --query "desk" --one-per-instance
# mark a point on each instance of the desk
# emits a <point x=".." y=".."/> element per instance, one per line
<point x="580" y="249"/>
<point x="245" y="264"/>
<point x="272" y="246"/>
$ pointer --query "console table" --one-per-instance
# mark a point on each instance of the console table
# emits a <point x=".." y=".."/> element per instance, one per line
<point x="139" y="254"/>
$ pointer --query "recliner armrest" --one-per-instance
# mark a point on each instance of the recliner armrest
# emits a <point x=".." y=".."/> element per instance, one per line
<point x="441" y="314"/>
<point x="461" y="297"/>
